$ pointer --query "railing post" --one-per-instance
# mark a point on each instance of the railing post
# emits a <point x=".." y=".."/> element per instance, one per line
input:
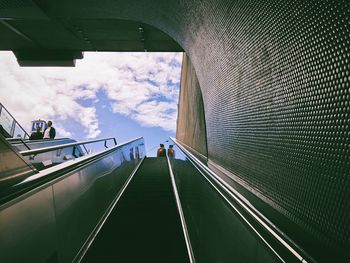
<point x="26" y="145"/>
<point x="87" y="152"/>
<point x="73" y="153"/>
<point x="59" y="151"/>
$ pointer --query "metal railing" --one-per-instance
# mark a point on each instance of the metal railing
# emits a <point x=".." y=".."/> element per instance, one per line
<point x="224" y="189"/>
<point x="181" y="213"/>
<point x="14" y="140"/>
<point x="10" y="125"/>
<point x="67" y="145"/>
<point x="44" y="177"/>
<point x="27" y="142"/>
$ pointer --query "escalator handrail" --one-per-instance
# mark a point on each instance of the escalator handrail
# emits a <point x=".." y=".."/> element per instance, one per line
<point x="259" y="218"/>
<point x="83" y="250"/>
<point x="27" y="140"/>
<point x="181" y="214"/>
<point x="49" y="175"/>
<point x="14" y="122"/>
<point x="62" y="146"/>
<point x="24" y="143"/>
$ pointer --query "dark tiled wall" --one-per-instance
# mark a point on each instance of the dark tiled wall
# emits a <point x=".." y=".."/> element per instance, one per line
<point x="275" y="79"/>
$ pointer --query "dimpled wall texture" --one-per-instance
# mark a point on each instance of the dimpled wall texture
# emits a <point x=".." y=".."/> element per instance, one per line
<point x="275" y="82"/>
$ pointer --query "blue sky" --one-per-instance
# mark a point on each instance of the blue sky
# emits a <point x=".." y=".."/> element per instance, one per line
<point x="121" y="95"/>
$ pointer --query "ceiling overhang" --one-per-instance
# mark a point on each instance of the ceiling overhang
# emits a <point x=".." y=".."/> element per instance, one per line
<point x="39" y="37"/>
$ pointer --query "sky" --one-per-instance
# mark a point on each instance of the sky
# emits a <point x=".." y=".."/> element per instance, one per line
<point x="121" y="95"/>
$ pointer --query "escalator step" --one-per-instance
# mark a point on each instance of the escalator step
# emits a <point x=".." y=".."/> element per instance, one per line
<point x="144" y="225"/>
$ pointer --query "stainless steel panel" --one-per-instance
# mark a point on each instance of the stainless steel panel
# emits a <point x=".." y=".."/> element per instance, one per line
<point x="217" y="231"/>
<point x="82" y="197"/>
<point x="12" y="166"/>
<point x="28" y="229"/>
<point x="53" y="223"/>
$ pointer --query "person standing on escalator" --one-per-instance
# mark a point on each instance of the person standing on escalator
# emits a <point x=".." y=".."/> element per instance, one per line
<point x="161" y="152"/>
<point x="37" y="135"/>
<point x="171" y="152"/>
<point x="50" y="131"/>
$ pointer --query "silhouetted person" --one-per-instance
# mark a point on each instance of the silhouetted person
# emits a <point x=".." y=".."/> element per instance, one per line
<point x="161" y="152"/>
<point x="171" y="151"/>
<point x="37" y="135"/>
<point x="50" y="131"/>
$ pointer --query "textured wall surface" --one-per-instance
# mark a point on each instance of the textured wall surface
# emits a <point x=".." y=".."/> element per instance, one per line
<point x="190" y="128"/>
<point x="275" y="80"/>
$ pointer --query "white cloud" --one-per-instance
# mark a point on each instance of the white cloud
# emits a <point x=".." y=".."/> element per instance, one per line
<point x="141" y="91"/>
<point x="157" y="112"/>
<point x="136" y="84"/>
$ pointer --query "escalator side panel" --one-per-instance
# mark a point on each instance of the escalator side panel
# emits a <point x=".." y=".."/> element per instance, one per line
<point x="13" y="167"/>
<point x="52" y="222"/>
<point x="217" y="233"/>
<point x="27" y="228"/>
<point x="79" y="204"/>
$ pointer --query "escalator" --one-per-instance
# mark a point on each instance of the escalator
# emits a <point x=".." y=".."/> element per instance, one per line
<point x="46" y="159"/>
<point x="145" y="225"/>
<point x="118" y="206"/>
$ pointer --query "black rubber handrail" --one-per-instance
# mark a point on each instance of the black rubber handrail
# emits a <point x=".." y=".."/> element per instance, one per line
<point x="83" y="250"/>
<point x="62" y="146"/>
<point x="181" y="214"/>
<point x="263" y="222"/>
<point x="27" y="140"/>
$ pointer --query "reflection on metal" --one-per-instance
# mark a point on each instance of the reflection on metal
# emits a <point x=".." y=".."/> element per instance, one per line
<point x="73" y="153"/>
<point x="224" y="187"/>
<point x="56" y="157"/>
<point x="23" y="142"/>
<point x="13" y="167"/>
<point x="65" y="167"/>
<point x="105" y="216"/>
<point x="59" y="151"/>
<point x="63" y="203"/>
<point x="27" y="141"/>
<point x="181" y="214"/>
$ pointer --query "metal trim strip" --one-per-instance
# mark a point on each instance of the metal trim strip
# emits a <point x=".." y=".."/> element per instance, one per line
<point x="181" y="214"/>
<point x="232" y="193"/>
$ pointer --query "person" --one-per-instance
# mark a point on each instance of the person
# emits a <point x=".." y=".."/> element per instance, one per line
<point x="37" y="135"/>
<point x="171" y="151"/>
<point x="50" y="131"/>
<point x="161" y="152"/>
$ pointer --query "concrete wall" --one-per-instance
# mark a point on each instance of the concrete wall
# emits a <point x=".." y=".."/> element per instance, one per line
<point x="191" y="120"/>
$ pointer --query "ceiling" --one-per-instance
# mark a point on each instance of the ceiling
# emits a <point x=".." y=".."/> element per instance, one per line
<point x="41" y="34"/>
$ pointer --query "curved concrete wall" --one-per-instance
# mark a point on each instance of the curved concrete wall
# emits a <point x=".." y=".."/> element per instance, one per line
<point x="190" y="127"/>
